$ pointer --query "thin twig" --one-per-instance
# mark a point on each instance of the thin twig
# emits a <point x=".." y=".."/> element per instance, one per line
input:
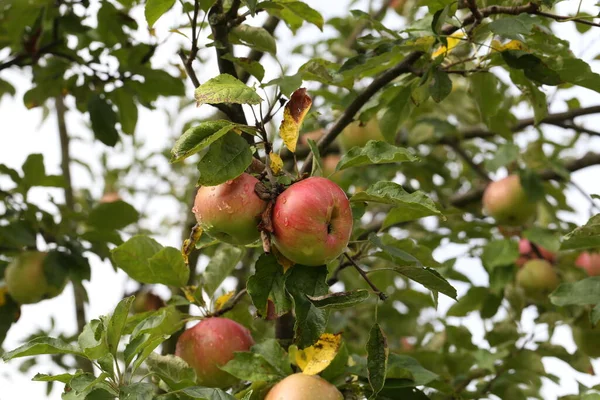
<point x="231" y="304"/>
<point x="477" y="168"/>
<point x="567" y="125"/>
<point x="561" y="18"/>
<point x="362" y="273"/>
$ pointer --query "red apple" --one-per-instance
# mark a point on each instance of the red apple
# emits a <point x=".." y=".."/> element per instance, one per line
<point x="304" y="387"/>
<point x="26" y="280"/>
<point x="537" y="278"/>
<point x="527" y="253"/>
<point x="312" y="221"/>
<point x="356" y="134"/>
<point x="231" y="211"/>
<point x="590" y="262"/>
<point x="507" y="202"/>
<point x="211" y="344"/>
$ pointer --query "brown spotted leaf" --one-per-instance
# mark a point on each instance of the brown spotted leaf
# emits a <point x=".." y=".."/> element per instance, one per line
<point x="293" y="115"/>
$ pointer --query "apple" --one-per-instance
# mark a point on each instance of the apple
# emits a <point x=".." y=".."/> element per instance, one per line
<point x="507" y="202"/>
<point x="537" y="278"/>
<point x="26" y="281"/>
<point x="527" y="252"/>
<point x="210" y="344"/>
<point x="146" y="301"/>
<point x="590" y="262"/>
<point x="231" y="211"/>
<point x="304" y="387"/>
<point x="356" y="135"/>
<point x="312" y="221"/>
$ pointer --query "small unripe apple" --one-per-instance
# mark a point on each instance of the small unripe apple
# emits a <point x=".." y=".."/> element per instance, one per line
<point x="312" y="221"/>
<point x="507" y="202"/>
<point x="304" y="387"/>
<point x="527" y="253"/>
<point x="357" y="135"/>
<point x="537" y="278"/>
<point x="146" y="301"/>
<point x="230" y="212"/>
<point x="590" y="262"/>
<point x="26" y="281"/>
<point x="210" y="344"/>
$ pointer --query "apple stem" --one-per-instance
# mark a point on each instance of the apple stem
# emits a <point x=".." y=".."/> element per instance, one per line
<point x="362" y="273"/>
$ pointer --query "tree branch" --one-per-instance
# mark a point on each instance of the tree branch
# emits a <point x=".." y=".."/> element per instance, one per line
<point x="577" y="128"/>
<point x="362" y="273"/>
<point x="477" y="168"/>
<point x="561" y="18"/>
<point x="232" y="303"/>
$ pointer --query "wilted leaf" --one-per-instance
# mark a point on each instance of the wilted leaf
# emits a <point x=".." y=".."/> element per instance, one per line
<point x="293" y="116"/>
<point x="276" y="162"/>
<point x="314" y="359"/>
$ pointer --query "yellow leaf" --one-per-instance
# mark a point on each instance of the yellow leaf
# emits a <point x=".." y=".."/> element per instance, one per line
<point x="514" y="45"/>
<point x="2" y="295"/>
<point x="222" y="300"/>
<point x="190" y="243"/>
<point x="281" y="259"/>
<point x="452" y="40"/>
<point x="189" y="291"/>
<point x="317" y="357"/>
<point x="276" y="162"/>
<point x="293" y="115"/>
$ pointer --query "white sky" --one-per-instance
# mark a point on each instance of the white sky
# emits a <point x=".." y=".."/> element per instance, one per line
<point x="23" y="134"/>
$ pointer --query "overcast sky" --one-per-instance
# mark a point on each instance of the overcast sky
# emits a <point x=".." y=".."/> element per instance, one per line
<point x="23" y="134"/>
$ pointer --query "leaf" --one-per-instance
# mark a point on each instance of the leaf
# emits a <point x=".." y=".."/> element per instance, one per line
<point x="42" y="345"/>
<point x="580" y="293"/>
<point x="113" y="215"/>
<point x="226" y="159"/>
<point x="340" y="300"/>
<point x="225" y="89"/>
<point x="310" y="320"/>
<point x="498" y="253"/>
<point x="199" y="137"/>
<point x="222" y="300"/>
<point x="202" y="393"/>
<point x="512" y="27"/>
<point x="252" y="67"/>
<point x="398" y="110"/>
<point x="377" y="359"/>
<point x="399" y="365"/>
<point x="220" y="267"/>
<point x="251" y="367"/>
<point x="103" y="119"/>
<point x="583" y="237"/>
<point x="287" y="84"/>
<point x="116" y="323"/>
<point x="137" y="391"/>
<point x="155" y="9"/>
<point x="268" y="282"/>
<point x="440" y="86"/>
<point x="92" y="340"/>
<point x="64" y="378"/>
<point x="293" y="115"/>
<point x="314" y="359"/>
<point x="533" y="67"/>
<point x="275" y="162"/>
<point x="504" y="155"/>
<point x="275" y="355"/>
<point x="301" y="10"/>
<point x="317" y="167"/>
<point x="255" y="37"/>
<point x="174" y="371"/>
<point x="417" y="204"/>
<point x="375" y="152"/>
<point x="543" y="237"/>
<point x="146" y="261"/>
<point x="127" y="110"/>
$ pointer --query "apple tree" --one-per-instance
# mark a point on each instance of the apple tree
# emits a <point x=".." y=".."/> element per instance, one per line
<point x="321" y="185"/>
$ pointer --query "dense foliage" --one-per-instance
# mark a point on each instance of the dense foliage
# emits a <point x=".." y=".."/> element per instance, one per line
<point x="414" y="108"/>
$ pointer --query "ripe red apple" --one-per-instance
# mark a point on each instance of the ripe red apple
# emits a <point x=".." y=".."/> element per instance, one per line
<point x="304" y="387"/>
<point x="357" y="135"/>
<point x="210" y="344"/>
<point x="507" y="202"/>
<point x="231" y="211"/>
<point x="26" y="281"/>
<point x="527" y="253"/>
<point x="312" y="221"/>
<point x="146" y="301"/>
<point x="590" y="262"/>
<point x="537" y="278"/>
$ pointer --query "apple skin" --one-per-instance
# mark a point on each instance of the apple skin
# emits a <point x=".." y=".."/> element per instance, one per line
<point x="312" y="222"/>
<point x="26" y="281"/>
<point x="356" y="135"/>
<point x="507" y="202"/>
<point x="537" y="278"/>
<point x="231" y="211"/>
<point x="589" y="262"/>
<point x="210" y="344"/>
<point x="527" y="253"/>
<point x="304" y="387"/>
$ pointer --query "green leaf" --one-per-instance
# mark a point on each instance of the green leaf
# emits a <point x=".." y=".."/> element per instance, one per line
<point x="226" y="159"/>
<point x="199" y="137"/>
<point x="252" y="367"/>
<point x="473" y="300"/>
<point x="174" y="371"/>
<point x="137" y="391"/>
<point x="533" y="67"/>
<point x="487" y="93"/>
<point x="504" y="155"/>
<point x="440" y="86"/>
<point x="147" y="349"/>
<point x="340" y="300"/>
<point x="92" y="340"/>
<point x="64" y="378"/>
<point x="220" y="267"/>
<point x="116" y="323"/>
<point x="225" y="89"/>
<point x="255" y="37"/>
<point x="412" y="206"/>
<point x="399" y="109"/>
<point x="103" y="119"/>
<point x="301" y="10"/>
<point x="146" y="261"/>
<point x="377" y="359"/>
<point x="375" y="152"/>
<point x="275" y="355"/>
<point x="6" y="88"/>
<point x="268" y="282"/>
<point x="512" y="27"/>
<point x="499" y="253"/>
<point x="399" y="365"/>
<point x="583" y="237"/>
<point x="113" y="215"/>
<point x="127" y="110"/>
<point x="202" y="393"/>
<point x="43" y="345"/>
<point x="252" y="67"/>
<point x="310" y="320"/>
<point x="155" y="9"/>
<point x="543" y="237"/>
<point x="288" y="84"/>
<point x="580" y="293"/>
<point x="317" y="167"/>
